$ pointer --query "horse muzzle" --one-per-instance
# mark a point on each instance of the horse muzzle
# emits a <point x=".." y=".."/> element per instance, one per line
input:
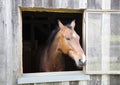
<point x="81" y="62"/>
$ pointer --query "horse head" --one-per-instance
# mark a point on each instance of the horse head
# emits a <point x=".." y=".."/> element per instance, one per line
<point x="68" y="43"/>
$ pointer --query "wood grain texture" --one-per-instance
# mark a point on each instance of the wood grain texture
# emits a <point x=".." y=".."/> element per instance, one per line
<point x="11" y="37"/>
<point x="2" y="44"/>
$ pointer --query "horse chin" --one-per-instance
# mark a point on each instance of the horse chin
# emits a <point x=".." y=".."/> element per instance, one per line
<point x="80" y="62"/>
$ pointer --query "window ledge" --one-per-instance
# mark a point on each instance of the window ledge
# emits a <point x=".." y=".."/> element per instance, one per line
<point x="53" y="77"/>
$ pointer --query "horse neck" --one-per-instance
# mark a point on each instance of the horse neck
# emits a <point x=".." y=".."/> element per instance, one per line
<point x="53" y="50"/>
<point x="55" y="58"/>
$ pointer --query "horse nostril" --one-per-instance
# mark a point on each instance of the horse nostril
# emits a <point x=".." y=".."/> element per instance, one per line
<point x="81" y="63"/>
<point x="79" y="60"/>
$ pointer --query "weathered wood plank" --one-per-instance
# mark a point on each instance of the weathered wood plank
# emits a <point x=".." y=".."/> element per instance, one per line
<point x="94" y="4"/>
<point x="106" y="4"/>
<point x="28" y="3"/>
<point x="82" y="83"/>
<point x="114" y="79"/>
<point x="74" y="83"/>
<point x="47" y="3"/>
<point x="8" y="41"/>
<point x="2" y="44"/>
<point x="105" y="80"/>
<point x="95" y="80"/>
<point x="93" y="45"/>
<point x="16" y="34"/>
<point x="38" y="3"/>
<point x="105" y="42"/>
<point x="115" y="4"/>
<point x="65" y="83"/>
<point x="11" y="38"/>
<point x="74" y="4"/>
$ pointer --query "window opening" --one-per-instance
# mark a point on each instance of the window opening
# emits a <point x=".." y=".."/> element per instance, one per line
<point x="37" y="27"/>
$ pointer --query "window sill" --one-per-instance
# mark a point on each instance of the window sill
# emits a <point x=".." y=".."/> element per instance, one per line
<point x="53" y="77"/>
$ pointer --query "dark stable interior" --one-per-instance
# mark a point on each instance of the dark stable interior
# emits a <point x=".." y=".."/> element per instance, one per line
<point x="36" y="28"/>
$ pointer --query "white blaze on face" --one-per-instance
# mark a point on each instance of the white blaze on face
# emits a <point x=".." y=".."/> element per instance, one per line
<point x="74" y="35"/>
<point x="83" y="58"/>
<point x="78" y="59"/>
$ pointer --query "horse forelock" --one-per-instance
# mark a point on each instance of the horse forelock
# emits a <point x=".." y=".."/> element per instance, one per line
<point x="69" y="26"/>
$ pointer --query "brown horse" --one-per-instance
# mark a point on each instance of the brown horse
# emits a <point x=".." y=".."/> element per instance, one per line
<point x="63" y="40"/>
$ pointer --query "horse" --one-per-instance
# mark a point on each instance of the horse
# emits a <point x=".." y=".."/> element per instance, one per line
<point x="63" y="40"/>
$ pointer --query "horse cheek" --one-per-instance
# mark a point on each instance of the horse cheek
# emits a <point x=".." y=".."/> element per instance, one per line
<point x="63" y="46"/>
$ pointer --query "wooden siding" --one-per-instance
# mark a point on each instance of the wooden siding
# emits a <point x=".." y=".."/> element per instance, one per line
<point x="78" y="4"/>
<point x="10" y="33"/>
<point x="10" y="37"/>
<point x="2" y="44"/>
<point x="6" y="42"/>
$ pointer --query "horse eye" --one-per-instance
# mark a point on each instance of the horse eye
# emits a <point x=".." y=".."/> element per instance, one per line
<point x="67" y="38"/>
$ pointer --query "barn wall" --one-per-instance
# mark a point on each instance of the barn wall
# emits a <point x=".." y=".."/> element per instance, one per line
<point x="94" y="5"/>
<point x="55" y="3"/>
<point x="10" y="34"/>
<point x="10" y="37"/>
<point x="6" y="56"/>
<point x="2" y="44"/>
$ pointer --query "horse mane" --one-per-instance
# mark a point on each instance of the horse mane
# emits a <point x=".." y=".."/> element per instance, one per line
<point x="52" y="36"/>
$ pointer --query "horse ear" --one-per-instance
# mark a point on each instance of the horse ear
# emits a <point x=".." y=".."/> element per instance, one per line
<point x="61" y="26"/>
<point x="73" y="24"/>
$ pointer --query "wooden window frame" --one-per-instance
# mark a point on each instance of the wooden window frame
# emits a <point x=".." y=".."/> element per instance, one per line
<point x="25" y="78"/>
<point x="104" y="67"/>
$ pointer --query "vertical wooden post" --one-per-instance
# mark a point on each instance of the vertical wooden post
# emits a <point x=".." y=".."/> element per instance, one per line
<point x="8" y="41"/>
<point x="17" y="40"/>
<point x="105" y="42"/>
<point x="2" y="44"/>
<point x="105" y="47"/>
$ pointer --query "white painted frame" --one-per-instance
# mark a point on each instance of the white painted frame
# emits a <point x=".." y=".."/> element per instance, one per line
<point x="53" y="77"/>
